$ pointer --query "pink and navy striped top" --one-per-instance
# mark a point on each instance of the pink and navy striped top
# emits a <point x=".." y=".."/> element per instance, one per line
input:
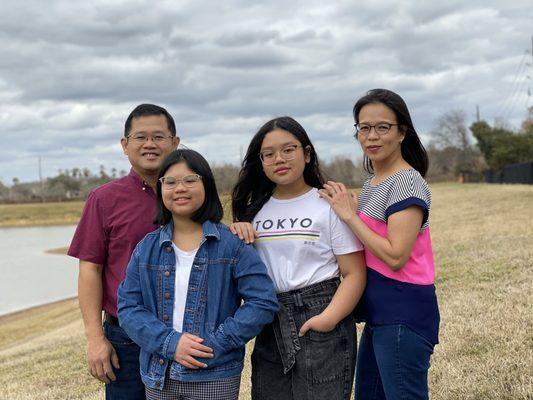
<point x="406" y="296"/>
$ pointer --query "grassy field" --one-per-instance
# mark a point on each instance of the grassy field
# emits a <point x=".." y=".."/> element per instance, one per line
<point x="64" y="213"/>
<point x="483" y="242"/>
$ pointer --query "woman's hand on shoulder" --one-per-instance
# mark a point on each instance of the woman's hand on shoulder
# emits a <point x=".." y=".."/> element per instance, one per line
<point x="244" y="230"/>
<point x="343" y="201"/>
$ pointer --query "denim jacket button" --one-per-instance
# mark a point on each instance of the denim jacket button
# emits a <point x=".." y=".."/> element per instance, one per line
<point x="168" y="249"/>
<point x="167" y="295"/>
<point x="167" y="273"/>
<point x="165" y="317"/>
<point x="161" y="361"/>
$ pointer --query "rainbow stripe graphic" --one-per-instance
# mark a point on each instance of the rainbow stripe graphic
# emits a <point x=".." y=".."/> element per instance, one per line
<point x="291" y="234"/>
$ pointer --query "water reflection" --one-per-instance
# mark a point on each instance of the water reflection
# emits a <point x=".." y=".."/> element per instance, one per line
<point x="30" y="276"/>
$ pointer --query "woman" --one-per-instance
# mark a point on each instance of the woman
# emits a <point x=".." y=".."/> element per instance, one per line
<point x="399" y="304"/>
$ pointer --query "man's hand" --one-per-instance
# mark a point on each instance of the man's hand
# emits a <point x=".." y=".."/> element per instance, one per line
<point x="100" y="356"/>
<point x="191" y="346"/>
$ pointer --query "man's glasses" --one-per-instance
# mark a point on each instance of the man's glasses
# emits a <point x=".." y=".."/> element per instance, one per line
<point x="139" y="138"/>
<point x="381" y="128"/>
<point x="169" y="182"/>
<point x="268" y="157"/>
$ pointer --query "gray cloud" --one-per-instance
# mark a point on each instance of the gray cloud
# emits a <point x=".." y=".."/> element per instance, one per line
<point x="70" y="76"/>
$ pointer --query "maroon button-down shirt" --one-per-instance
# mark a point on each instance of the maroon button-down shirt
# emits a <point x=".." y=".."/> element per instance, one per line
<point x="115" y="218"/>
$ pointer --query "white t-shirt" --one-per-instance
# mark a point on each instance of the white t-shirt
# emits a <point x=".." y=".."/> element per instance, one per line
<point x="184" y="262"/>
<point x="299" y="238"/>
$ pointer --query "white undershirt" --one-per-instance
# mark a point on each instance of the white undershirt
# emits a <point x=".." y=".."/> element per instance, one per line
<point x="184" y="262"/>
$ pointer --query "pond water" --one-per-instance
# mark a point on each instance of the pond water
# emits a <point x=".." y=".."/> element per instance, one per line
<point x="30" y="276"/>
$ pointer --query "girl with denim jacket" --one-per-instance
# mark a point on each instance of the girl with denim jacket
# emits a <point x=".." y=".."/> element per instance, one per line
<point x="308" y="352"/>
<point x="193" y="294"/>
<point x="390" y="217"/>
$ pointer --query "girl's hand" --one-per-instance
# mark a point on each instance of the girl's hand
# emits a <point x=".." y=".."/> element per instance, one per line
<point x="244" y="231"/>
<point x="319" y="323"/>
<point x="190" y="346"/>
<point x="343" y="202"/>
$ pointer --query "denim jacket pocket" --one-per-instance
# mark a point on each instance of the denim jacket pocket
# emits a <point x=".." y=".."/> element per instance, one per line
<point x="219" y="352"/>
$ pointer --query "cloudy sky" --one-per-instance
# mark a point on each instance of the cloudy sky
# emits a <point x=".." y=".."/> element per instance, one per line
<point x="71" y="71"/>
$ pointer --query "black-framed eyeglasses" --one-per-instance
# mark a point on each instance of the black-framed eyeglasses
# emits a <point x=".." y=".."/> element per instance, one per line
<point x="287" y="153"/>
<point x="140" y="138"/>
<point x="381" y="128"/>
<point x="170" y="182"/>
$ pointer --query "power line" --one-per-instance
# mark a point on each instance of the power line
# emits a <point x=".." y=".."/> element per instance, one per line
<point x="514" y="86"/>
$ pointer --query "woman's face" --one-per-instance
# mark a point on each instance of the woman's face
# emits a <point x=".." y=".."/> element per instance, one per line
<point x="283" y="157"/>
<point x="186" y="196"/>
<point x="379" y="147"/>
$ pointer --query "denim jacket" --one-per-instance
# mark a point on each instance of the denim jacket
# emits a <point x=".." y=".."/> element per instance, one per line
<point x="229" y="299"/>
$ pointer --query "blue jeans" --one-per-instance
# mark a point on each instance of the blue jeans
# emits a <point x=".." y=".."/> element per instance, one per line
<point x="128" y="385"/>
<point x="392" y="364"/>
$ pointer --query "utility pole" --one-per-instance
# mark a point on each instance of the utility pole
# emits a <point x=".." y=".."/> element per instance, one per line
<point x="41" y="179"/>
<point x="477" y="113"/>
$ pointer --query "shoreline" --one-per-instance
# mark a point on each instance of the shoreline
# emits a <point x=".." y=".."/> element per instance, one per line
<point x="37" y="225"/>
<point x="18" y="313"/>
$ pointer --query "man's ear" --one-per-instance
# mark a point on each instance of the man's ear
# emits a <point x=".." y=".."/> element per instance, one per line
<point x="124" y="144"/>
<point x="176" y="141"/>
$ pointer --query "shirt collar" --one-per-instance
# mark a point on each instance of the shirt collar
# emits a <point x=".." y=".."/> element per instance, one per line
<point x="138" y="180"/>
<point x="209" y="229"/>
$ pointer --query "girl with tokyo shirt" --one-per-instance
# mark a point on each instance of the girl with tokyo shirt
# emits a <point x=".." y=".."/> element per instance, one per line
<point x="308" y="352"/>
<point x="390" y="218"/>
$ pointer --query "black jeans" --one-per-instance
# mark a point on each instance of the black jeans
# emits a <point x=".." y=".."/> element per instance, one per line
<point x="316" y="366"/>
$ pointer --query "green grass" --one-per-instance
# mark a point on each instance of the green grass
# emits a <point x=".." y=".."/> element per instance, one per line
<point x="483" y="243"/>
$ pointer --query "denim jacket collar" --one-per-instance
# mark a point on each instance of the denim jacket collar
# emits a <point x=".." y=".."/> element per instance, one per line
<point x="209" y="229"/>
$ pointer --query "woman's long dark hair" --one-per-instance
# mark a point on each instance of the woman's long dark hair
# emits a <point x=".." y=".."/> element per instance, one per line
<point x="253" y="188"/>
<point x="211" y="209"/>
<point x="412" y="149"/>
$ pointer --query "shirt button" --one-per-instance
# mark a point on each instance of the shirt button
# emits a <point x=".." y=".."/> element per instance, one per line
<point x="167" y="295"/>
<point x="165" y="317"/>
<point x="144" y="188"/>
<point x="161" y="361"/>
<point x="167" y="273"/>
<point x="169" y="249"/>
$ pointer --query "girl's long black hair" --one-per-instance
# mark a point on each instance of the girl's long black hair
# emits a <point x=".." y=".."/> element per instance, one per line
<point x="253" y="188"/>
<point x="412" y="149"/>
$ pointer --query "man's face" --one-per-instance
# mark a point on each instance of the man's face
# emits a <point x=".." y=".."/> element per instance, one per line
<point x="148" y="143"/>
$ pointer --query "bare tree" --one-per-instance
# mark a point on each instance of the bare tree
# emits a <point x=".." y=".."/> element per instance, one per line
<point x="450" y="130"/>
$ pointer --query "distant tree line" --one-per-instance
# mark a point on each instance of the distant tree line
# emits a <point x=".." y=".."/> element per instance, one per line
<point x="76" y="183"/>
<point x="68" y="184"/>
<point x="456" y="150"/>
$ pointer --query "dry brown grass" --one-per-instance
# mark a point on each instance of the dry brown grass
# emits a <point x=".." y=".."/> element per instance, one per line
<point x="483" y="243"/>
<point x="33" y="214"/>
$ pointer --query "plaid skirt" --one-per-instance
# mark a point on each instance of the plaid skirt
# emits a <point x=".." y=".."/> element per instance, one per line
<point x="222" y="389"/>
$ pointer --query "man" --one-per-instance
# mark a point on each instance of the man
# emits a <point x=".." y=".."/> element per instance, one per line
<point x="116" y="217"/>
